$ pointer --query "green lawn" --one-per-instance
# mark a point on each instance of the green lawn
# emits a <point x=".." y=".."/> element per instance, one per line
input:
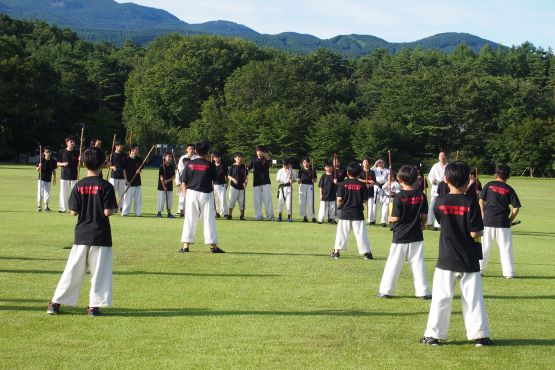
<point x="274" y="300"/>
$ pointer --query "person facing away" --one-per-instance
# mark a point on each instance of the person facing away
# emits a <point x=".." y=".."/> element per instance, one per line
<point x="46" y="167"/>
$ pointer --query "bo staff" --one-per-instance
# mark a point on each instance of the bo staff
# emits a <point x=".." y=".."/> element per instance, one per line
<point x="136" y="173"/>
<point x="312" y="176"/>
<point x="40" y="164"/>
<point x="334" y="166"/>
<point x="111" y="153"/>
<point x="244" y="189"/>
<point x="291" y="196"/>
<point x="80" y="153"/>
<point x="425" y="189"/>
<point x="389" y="175"/>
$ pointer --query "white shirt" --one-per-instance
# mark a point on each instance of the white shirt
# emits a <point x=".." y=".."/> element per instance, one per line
<point x="391" y="189"/>
<point x="381" y="174"/>
<point x="181" y="167"/>
<point x="284" y="175"/>
<point x="437" y="174"/>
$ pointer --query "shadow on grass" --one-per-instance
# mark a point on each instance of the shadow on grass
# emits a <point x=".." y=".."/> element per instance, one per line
<point x="506" y="342"/>
<point x="518" y="277"/>
<point x="161" y="273"/>
<point x="519" y="297"/>
<point x="299" y="254"/>
<point x="534" y="233"/>
<point x="31" y="258"/>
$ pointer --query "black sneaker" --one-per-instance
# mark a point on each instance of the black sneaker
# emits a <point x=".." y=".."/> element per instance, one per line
<point x="384" y="225"/>
<point x="305" y="219"/>
<point x="184" y="250"/>
<point x="53" y="308"/>
<point x="333" y="222"/>
<point x="93" y="312"/>
<point x="368" y="256"/>
<point x="425" y="297"/>
<point x="217" y="215"/>
<point x="60" y="211"/>
<point x="431" y="341"/>
<point x="334" y="255"/>
<point x="216" y="250"/>
<point x="314" y="220"/>
<point x="373" y="223"/>
<point x="47" y="209"/>
<point x="242" y="218"/>
<point x="170" y="215"/>
<point x="319" y="223"/>
<point x="483" y="342"/>
<point x="181" y="214"/>
<point x="381" y="295"/>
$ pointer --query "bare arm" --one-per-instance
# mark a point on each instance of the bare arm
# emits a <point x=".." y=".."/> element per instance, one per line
<point x="514" y="213"/>
<point x="392" y="219"/>
<point x="109" y="212"/>
<point x="482" y="207"/>
<point x="74" y="213"/>
<point x="476" y="234"/>
<point x="339" y="202"/>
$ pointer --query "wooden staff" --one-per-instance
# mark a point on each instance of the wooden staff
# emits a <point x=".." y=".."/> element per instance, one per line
<point x="40" y="165"/>
<point x="111" y="153"/>
<point x="80" y="153"/>
<point x="312" y="175"/>
<point x="136" y="173"/>
<point x="291" y="196"/>
<point x="424" y="190"/>
<point x="390" y="184"/>
<point x="130" y="137"/>
<point x="334" y="168"/>
<point x="244" y="190"/>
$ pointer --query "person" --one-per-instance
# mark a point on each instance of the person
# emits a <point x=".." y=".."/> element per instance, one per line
<point x="328" y="197"/>
<point x="408" y="216"/>
<point x="495" y="202"/>
<point x="474" y="186"/>
<point x="68" y="160"/>
<point x="351" y="196"/>
<point x="436" y="175"/>
<point x="197" y="180"/>
<point x="188" y="156"/>
<point x="285" y="178"/>
<point x="389" y="189"/>
<point x="381" y="174"/>
<point x="238" y="178"/>
<point x="307" y="178"/>
<point x="261" y="185"/>
<point x="220" y="185"/>
<point x="166" y="175"/>
<point x="46" y="167"/>
<point x="459" y="255"/>
<point x="117" y="160"/>
<point x="93" y="200"/>
<point x="368" y="177"/>
<point x="132" y="173"/>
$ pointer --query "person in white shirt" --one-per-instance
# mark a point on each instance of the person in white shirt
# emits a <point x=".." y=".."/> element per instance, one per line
<point x="436" y="175"/>
<point x="381" y="173"/>
<point x="188" y="156"/>
<point x="390" y="189"/>
<point x="285" y="178"/>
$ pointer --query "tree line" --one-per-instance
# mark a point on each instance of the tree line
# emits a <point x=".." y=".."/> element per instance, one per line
<point x="491" y="106"/>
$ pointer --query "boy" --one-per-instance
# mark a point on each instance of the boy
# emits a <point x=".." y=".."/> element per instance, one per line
<point x="93" y="200"/>
<point x="351" y="196"/>
<point x="238" y="177"/>
<point x="132" y="171"/>
<point x="261" y="184"/>
<point x="117" y="160"/>
<point x="408" y="216"/>
<point x="285" y="178"/>
<point x="220" y="185"/>
<point x="459" y="255"/>
<point x="494" y="204"/>
<point x="368" y="177"/>
<point x="68" y="159"/>
<point x="327" y="194"/>
<point x="188" y="156"/>
<point x="307" y="178"/>
<point x="166" y="175"/>
<point x="47" y="176"/>
<point x="197" y="181"/>
<point x="389" y="189"/>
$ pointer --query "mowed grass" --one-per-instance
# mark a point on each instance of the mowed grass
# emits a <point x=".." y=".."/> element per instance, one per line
<point x="274" y="300"/>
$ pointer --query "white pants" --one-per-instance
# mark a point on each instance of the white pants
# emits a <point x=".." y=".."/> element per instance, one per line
<point x="284" y="201"/>
<point x="163" y="200"/>
<point x="306" y="200"/>
<point x="99" y="260"/>
<point x="119" y="186"/>
<point x="199" y="206"/>
<point x="65" y="188"/>
<point x="431" y="217"/>
<point x="472" y="302"/>
<point x="503" y="237"/>
<point x="414" y="252"/>
<point x="235" y="196"/>
<point x="326" y="209"/>
<point x="263" y="194"/>
<point x="181" y="199"/>
<point x="43" y="193"/>
<point x="384" y="209"/>
<point x="359" y="229"/>
<point x="221" y="200"/>
<point x="371" y="210"/>
<point x="134" y="196"/>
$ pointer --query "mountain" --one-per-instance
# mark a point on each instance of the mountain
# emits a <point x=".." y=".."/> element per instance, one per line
<point x="107" y="20"/>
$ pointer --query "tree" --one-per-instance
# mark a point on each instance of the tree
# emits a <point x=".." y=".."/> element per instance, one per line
<point x="331" y="134"/>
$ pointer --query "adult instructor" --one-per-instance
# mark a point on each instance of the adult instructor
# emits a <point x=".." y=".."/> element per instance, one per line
<point x="436" y="175"/>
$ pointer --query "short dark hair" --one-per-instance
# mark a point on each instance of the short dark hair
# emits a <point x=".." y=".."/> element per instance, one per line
<point x="458" y="173"/>
<point x="328" y="163"/>
<point x="503" y="171"/>
<point x="202" y="147"/>
<point x="191" y="145"/>
<point x="260" y="148"/>
<point x="68" y="138"/>
<point x="118" y="142"/>
<point x="286" y="161"/>
<point x="238" y="154"/>
<point x="407" y="174"/>
<point x="132" y="146"/>
<point x="46" y="148"/>
<point x="93" y="158"/>
<point x="168" y="154"/>
<point x="353" y="169"/>
<point x="306" y="158"/>
<point x="217" y="154"/>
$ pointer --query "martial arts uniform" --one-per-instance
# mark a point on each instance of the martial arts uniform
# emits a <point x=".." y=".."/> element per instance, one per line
<point x="134" y="194"/>
<point x="381" y="174"/>
<point x="167" y="172"/>
<point x="437" y="174"/>
<point x="116" y="176"/>
<point x="284" y="178"/>
<point x="180" y="167"/>
<point x="306" y="192"/>
<point x="388" y="190"/>
<point x="328" y="200"/>
<point x="262" y="188"/>
<point x="364" y="177"/>
<point x="237" y="191"/>
<point x="68" y="175"/>
<point x="48" y="166"/>
<point x="220" y="189"/>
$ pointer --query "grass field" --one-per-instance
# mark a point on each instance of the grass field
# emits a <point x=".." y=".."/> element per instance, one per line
<point x="274" y="300"/>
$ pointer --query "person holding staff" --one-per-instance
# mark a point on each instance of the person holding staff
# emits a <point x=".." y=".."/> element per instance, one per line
<point x="368" y="177"/>
<point x="132" y="173"/>
<point x="166" y="175"/>
<point x="68" y="160"/>
<point x="117" y="160"/>
<point x="46" y="167"/>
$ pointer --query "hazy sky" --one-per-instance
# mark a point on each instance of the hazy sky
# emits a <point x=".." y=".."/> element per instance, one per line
<point x="510" y="22"/>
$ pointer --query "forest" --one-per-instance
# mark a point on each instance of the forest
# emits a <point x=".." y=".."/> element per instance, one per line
<point x="491" y="106"/>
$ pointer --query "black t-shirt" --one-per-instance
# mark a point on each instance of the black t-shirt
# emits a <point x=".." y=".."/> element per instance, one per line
<point x="458" y="215"/>
<point x="341" y="174"/>
<point x="221" y="174"/>
<point x="408" y="205"/>
<point x="306" y="176"/>
<point x="354" y="193"/>
<point x="498" y="196"/>
<point x="118" y="161"/>
<point x="198" y="175"/>
<point x="69" y="172"/>
<point x="90" y="197"/>
<point x="48" y="166"/>
<point x="368" y="176"/>
<point x="131" y="166"/>
<point x="239" y="173"/>
<point x="261" y="171"/>
<point x="328" y="188"/>
<point x="167" y="172"/>
<point x="442" y="188"/>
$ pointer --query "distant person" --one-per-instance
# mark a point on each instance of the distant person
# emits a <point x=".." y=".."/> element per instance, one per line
<point x="381" y="174"/>
<point x="46" y="167"/>
<point x="132" y="173"/>
<point x="220" y="185"/>
<point x="261" y="185"/>
<point x="188" y="156"/>
<point x="368" y="177"/>
<point x="238" y="179"/>
<point x="166" y="175"/>
<point x="307" y="178"/>
<point x="285" y="177"/>
<point x="93" y="200"/>
<point x="117" y="163"/>
<point x="436" y="175"/>
<point x="68" y="160"/>
<point x="389" y="190"/>
<point x="328" y="195"/>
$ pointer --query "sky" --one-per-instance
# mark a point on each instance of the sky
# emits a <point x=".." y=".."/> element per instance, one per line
<point x="509" y="22"/>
